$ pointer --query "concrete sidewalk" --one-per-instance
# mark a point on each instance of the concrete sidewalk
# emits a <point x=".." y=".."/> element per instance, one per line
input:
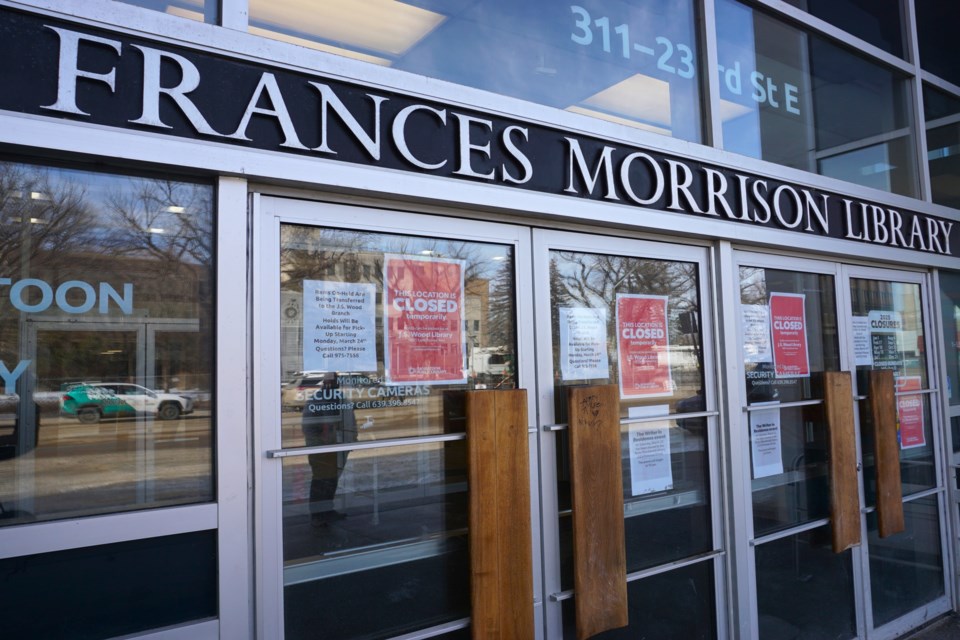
<point x="947" y="628"/>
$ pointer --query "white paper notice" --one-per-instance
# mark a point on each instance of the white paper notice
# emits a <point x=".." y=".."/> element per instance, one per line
<point x="756" y="333"/>
<point x="583" y="343"/>
<point x="886" y="339"/>
<point x="862" y="347"/>
<point x="339" y="326"/>
<point x="649" y="442"/>
<point x="765" y="442"/>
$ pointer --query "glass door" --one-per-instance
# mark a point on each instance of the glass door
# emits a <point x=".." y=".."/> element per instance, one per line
<point x="635" y="315"/>
<point x="373" y="325"/>
<point x="890" y="330"/>
<point x="790" y="336"/>
<point x="798" y="321"/>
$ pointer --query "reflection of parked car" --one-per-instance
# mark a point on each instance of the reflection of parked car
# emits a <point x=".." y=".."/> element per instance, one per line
<point x="91" y="401"/>
<point x="300" y="388"/>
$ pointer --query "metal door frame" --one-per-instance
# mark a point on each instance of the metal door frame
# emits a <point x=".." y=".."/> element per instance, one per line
<point x="941" y="605"/>
<point x="744" y="540"/>
<point x="543" y="242"/>
<point x="268" y="215"/>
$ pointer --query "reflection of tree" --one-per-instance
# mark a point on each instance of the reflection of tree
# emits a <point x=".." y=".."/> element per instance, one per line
<point x="592" y="280"/>
<point x="309" y="253"/>
<point x="753" y="285"/>
<point x="502" y="312"/>
<point x="165" y="220"/>
<point x="42" y="220"/>
<point x="61" y="225"/>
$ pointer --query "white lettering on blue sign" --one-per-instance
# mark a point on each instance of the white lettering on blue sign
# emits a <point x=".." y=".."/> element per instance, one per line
<point x="48" y="296"/>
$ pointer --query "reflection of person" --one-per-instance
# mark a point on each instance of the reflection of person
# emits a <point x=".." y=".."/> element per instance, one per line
<point x="328" y="418"/>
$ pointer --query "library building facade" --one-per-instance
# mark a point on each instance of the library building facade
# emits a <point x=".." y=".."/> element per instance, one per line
<point x="408" y="319"/>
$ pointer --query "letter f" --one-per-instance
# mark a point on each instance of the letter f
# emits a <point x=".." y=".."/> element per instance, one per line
<point x="69" y="73"/>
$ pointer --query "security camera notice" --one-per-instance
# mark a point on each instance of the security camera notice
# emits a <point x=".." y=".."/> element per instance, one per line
<point x="339" y="326"/>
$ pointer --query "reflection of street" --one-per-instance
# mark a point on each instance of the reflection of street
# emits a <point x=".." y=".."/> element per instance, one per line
<point x="388" y="496"/>
<point x="114" y="465"/>
<point x="388" y="422"/>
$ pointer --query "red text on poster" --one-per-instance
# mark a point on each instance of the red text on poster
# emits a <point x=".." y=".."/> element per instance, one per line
<point x="643" y="346"/>
<point x="423" y="317"/>
<point x="910" y="413"/>
<point x="788" y="330"/>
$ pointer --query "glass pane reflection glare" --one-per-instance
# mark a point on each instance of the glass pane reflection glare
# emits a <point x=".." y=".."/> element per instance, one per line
<point x="596" y="300"/>
<point x="369" y="354"/>
<point x="804" y="589"/>
<point x="108" y="309"/>
<point x="380" y="528"/>
<point x="785" y="96"/>
<point x="199" y="10"/>
<point x="941" y="113"/>
<point x="788" y="462"/>
<point x="634" y="63"/>
<point x="900" y="348"/>
<point x="906" y="569"/>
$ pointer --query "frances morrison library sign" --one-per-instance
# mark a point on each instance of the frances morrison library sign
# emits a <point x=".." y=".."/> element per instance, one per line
<point x="57" y="69"/>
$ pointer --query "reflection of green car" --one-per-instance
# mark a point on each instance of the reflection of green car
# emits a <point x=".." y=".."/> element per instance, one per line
<point x="89" y="402"/>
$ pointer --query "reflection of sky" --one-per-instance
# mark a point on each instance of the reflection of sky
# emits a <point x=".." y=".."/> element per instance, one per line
<point x="526" y="49"/>
<point x="826" y="79"/>
<point x="599" y="278"/>
<point x="193" y="9"/>
<point x="736" y="44"/>
<point x="869" y="166"/>
<point x="483" y="260"/>
<point x="119" y="211"/>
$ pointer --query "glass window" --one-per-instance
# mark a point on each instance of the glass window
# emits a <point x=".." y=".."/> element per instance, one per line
<point x="798" y="100"/>
<point x="199" y="10"/>
<point x="676" y="605"/>
<point x="804" y="589"/>
<point x="906" y="569"/>
<point x="380" y="337"/>
<point x="106" y="338"/>
<point x="939" y="47"/>
<point x="111" y="590"/>
<point x="789" y="338"/>
<point x="628" y="62"/>
<point x="636" y="322"/>
<point x="378" y="529"/>
<point x="942" y="117"/>
<point x="876" y="21"/>
<point x="950" y="314"/>
<point x="890" y="316"/>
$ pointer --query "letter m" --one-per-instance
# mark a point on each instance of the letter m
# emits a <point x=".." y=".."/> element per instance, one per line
<point x="578" y="164"/>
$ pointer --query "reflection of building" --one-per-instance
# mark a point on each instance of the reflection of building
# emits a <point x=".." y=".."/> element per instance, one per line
<point x="145" y="316"/>
<point x="712" y="155"/>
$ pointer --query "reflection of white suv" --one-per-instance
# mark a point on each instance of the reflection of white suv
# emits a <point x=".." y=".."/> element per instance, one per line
<point x="91" y="401"/>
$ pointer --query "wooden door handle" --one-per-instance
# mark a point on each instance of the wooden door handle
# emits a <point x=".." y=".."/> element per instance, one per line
<point x="599" y="552"/>
<point x="886" y="447"/>
<point x="844" y="466"/>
